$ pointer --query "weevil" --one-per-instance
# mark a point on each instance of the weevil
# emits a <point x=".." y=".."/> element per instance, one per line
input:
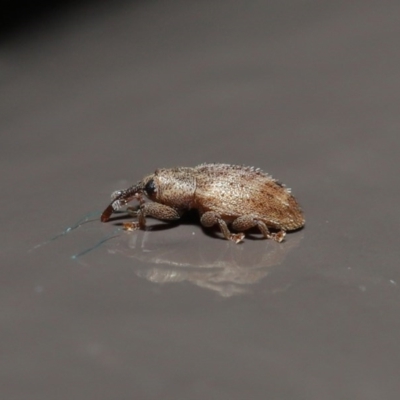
<point x="244" y="197"/>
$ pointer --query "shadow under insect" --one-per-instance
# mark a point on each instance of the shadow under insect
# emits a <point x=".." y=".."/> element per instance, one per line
<point x="190" y="217"/>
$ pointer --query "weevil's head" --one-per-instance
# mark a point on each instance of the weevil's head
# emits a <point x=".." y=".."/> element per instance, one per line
<point x="173" y="187"/>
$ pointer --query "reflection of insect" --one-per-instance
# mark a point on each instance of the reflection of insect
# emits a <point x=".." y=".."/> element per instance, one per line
<point x="243" y="196"/>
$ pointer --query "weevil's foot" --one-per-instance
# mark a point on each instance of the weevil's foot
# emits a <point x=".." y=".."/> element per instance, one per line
<point x="131" y="226"/>
<point x="279" y="236"/>
<point x="236" y="237"/>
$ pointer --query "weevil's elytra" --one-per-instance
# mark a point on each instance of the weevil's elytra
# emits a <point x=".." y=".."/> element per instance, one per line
<point x="244" y="197"/>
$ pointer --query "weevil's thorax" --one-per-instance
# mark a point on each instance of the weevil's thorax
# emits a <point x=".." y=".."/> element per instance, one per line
<point x="174" y="187"/>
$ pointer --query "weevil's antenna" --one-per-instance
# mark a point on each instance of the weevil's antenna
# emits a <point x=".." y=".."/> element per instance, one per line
<point x="121" y="198"/>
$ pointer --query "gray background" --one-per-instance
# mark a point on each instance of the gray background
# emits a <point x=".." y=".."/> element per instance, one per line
<point x="95" y="96"/>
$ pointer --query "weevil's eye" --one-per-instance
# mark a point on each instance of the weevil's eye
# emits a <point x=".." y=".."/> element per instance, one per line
<point x="150" y="187"/>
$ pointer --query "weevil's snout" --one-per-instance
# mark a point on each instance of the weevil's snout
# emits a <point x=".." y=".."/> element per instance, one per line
<point x="107" y="213"/>
<point x="119" y="199"/>
<point x="113" y="206"/>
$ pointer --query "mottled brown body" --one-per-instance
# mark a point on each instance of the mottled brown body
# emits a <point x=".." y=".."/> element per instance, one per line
<point x="243" y="196"/>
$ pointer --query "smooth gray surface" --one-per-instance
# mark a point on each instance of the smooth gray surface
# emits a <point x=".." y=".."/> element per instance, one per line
<point x="97" y="97"/>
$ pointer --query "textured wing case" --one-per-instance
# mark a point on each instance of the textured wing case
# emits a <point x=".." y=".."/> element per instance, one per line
<point x="233" y="191"/>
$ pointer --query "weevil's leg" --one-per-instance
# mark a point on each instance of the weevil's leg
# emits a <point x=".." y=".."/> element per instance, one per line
<point x="210" y="218"/>
<point x="155" y="210"/>
<point x="248" y="221"/>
